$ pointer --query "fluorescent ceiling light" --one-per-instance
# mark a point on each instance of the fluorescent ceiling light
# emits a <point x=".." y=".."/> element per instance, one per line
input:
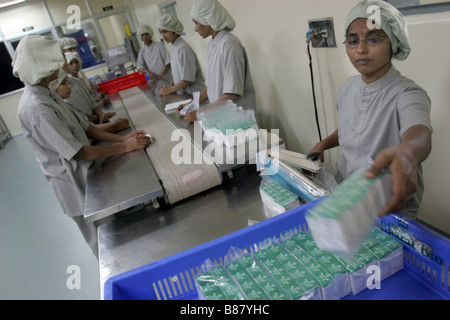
<point x="10" y="3"/>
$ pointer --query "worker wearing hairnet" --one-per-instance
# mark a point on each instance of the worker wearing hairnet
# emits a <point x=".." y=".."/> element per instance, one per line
<point x="186" y="70"/>
<point x="69" y="44"/>
<point x="63" y="88"/>
<point x="81" y="97"/>
<point x="60" y="139"/>
<point x="153" y="57"/>
<point x="227" y="72"/>
<point x="383" y="116"/>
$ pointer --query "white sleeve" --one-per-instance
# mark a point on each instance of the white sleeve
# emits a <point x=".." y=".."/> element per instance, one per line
<point x="414" y="108"/>
<point x="234" y="71"/>
<point x="141" y="65"/>
<point x="188" y="65"/>
<point x="54" y="134"/>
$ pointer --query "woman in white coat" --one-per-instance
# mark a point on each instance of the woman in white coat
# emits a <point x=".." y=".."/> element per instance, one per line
<point x="383" y="115"/>
<point x="228" y="74"/>
<point x="186" y="70"/>
<point x="153" y="58"/>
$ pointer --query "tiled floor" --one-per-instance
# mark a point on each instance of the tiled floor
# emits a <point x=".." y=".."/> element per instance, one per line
<point x="38" y="242"/>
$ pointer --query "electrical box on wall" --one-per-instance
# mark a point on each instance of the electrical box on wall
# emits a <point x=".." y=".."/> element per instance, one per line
<point x="322" y="33"/>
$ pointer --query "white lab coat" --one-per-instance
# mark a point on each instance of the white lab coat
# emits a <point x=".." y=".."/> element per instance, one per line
<point x="227" y="70"/>
<point x="155" y="58"/>
<point x="186" y="67"/>
<point x="81" y="99"/>
<point x="56" y="135"/>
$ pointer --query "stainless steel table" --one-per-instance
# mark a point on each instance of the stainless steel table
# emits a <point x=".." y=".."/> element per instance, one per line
<point x="120" y="182"/>
<point x="148" y="235"/>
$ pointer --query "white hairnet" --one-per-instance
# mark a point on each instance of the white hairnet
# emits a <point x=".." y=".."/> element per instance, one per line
<point x="212" y="13"/>
<point x="145" y="29"/>
<point x="37" y="57"/>
<point x="70" y="56"/>
<point x="170" y="23"/>
<point x="68" y="43"/>
<point x="389" y="19"/>
<point x="56" y="83"/>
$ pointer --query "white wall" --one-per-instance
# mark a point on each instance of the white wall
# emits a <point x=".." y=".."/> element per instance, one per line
<point x="273" y="33"/>
<point x="429" y="66"/>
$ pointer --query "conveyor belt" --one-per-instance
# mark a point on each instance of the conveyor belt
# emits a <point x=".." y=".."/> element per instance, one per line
<point x="180" y="181"/>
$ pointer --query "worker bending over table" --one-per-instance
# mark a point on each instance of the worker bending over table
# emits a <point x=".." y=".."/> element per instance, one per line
<point x="383" y="115"/>
<point x="58" y="138"/>
<point x="63" y="88"/>
<point x="82" y="98"/>
<point x="186" y="70"/>
<point x="153" y="57"/>
<point x="228" y="74"/>
<point x="69" y="44"/>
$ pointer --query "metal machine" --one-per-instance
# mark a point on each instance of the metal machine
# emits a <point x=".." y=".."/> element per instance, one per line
<point x="117" y="58"/>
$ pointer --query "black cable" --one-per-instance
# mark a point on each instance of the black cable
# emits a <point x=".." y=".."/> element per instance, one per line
<point x="313" y="91"/>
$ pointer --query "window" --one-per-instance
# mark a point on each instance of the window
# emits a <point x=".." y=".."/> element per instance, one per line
<point x="169" y="9"/>
<point x="89" y="47"/>
<point x="102" y="27"/>
<point x="113" y="27"/>
<point x="411" y="7"/>
<point x="8" y="82"/>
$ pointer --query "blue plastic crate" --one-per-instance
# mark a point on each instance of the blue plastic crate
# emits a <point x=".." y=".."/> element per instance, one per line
<point x="425" y="275"/>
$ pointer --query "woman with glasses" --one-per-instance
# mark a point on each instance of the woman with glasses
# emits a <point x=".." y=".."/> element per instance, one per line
<point x="383" y="116"/>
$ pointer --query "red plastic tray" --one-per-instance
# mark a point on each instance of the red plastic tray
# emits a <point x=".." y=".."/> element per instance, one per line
<point x="122" y="83"/>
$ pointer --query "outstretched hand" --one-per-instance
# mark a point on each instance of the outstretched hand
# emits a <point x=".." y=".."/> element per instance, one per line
<point x="403" y="168"/>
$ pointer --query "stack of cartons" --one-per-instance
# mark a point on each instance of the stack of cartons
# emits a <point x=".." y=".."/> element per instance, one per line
<point x="295" y="268"/>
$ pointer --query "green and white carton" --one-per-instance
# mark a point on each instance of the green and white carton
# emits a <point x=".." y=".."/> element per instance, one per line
<point x="341" y="220"/>
<point x="388" y="251"/>
<point x="277" y="199"/>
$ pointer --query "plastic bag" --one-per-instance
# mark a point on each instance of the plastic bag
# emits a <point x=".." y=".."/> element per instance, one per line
<point x="216" y="283"/>
<point x="192" y="106"/>
<point x="228" y="124"/>
<point x="326" y="178"/>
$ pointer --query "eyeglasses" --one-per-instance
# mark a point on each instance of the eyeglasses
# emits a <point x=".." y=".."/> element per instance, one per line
<point x="370" y="41"/>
